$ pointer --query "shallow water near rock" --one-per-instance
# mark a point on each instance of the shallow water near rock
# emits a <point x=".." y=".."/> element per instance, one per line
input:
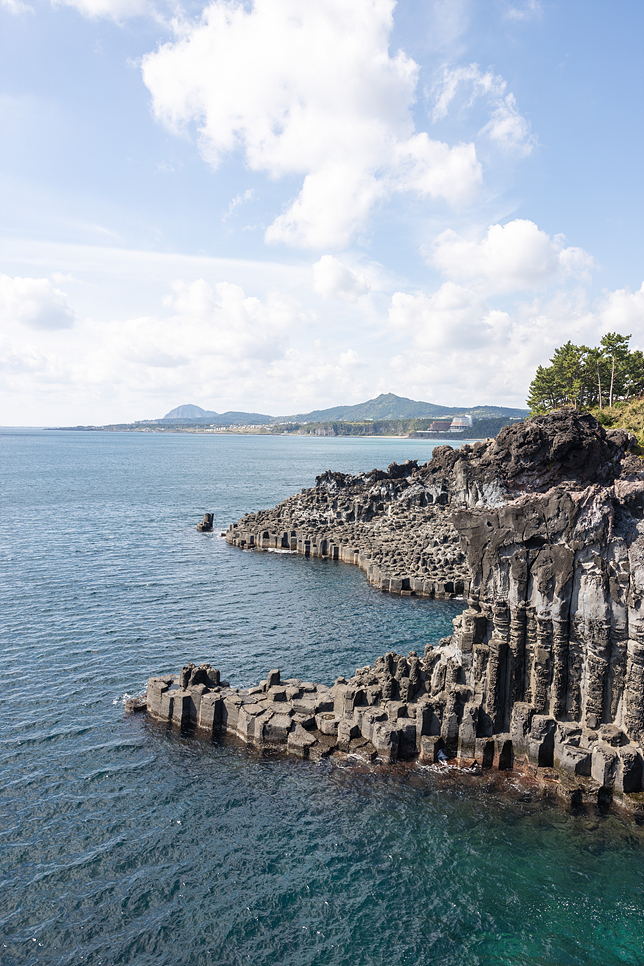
<point x="125" y="842"/>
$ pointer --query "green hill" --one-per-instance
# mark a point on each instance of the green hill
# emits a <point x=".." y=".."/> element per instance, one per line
<point x="191" y="415"/>
<point x="390" y="406"/>
<point x="387" y="406"/>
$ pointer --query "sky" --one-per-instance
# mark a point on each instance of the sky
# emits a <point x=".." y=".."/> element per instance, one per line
<point x="285" y="205"/>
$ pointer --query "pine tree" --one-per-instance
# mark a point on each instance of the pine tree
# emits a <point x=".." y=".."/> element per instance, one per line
<point x="583" y="377"/>
<point x="615" y="348"/>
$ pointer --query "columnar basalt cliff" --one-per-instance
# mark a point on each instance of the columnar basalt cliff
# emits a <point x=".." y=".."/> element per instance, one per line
<point x="394" y="524"/>
<point x="545" y="668"/>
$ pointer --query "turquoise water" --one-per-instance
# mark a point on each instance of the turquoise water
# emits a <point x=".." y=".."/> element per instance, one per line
<point x="123" y="842"/>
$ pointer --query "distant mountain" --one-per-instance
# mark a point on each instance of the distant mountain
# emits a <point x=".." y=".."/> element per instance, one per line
<point x="242" y="419"/>
<point x="385" y="406"/>
<point x="189" y="412"/>
<point x="390" y="406"/>
<point x="195" y="414"/>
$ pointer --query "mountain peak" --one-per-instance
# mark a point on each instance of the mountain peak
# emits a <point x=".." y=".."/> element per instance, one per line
<point x="189" y="411"/>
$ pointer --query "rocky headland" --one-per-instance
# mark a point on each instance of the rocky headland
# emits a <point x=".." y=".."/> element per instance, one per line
<point x="542" y="531"/>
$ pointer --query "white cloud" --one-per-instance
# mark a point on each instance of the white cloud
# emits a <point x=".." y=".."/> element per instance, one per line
<point x="460" y="350"/>
<point x="433" y="168"/>
<point x="221" y="348"/>
<point x="21" y="360"/>
<point x="238" y="200"/>
<point x="61" y="277"/>
<point x="471" y="78"/>
<point x="623" y="311"/>
<point x="461" y="87"/>
<point x="307" y="90"/>
<point x="510" y="257"/>
<point x="452" y="317"/>
<point x="349" y="359"/>
<point x="508" y="128"/>
<point x="222" y="321"/>
<point x="333" y="204"/>
<point x="214" y="342"/>
<point x="575" y="261"/>
<point x="34" y="302"/>
<point x="332" y="279"/>
<point x="112" y="9"/>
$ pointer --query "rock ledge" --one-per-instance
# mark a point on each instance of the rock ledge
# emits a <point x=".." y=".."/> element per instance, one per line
<point x="542" y="529"/>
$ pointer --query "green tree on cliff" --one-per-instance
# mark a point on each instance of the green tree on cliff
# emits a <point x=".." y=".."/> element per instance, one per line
<point x="585" y="377"/>
<point x="563" y="383"/>
<point x="625" y="368"/>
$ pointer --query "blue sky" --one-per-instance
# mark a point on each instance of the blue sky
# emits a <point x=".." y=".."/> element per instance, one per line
<point x="286" y="205"/>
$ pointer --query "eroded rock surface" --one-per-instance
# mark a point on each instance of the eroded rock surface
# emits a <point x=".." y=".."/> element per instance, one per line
<point x="398" y="524"/>
<point x="394" y="524"/>
<point x="543" y="529"/>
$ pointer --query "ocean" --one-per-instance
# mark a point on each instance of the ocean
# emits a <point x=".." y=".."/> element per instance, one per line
<point x="123" y="841"/>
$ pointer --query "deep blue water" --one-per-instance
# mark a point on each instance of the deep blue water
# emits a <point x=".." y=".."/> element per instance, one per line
<point x="123" y="842"/>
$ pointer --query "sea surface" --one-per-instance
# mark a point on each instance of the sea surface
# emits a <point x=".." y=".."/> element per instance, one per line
<point x="126" y="842"/>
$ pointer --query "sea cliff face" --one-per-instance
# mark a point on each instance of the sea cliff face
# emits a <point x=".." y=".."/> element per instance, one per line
<point x="543" y="530"/>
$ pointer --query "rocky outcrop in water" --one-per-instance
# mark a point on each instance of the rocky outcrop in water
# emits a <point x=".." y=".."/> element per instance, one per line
<point x="398" y="524"/>
<point x="543" y="529"/>
<point x="205" y="526"/>
<point x="394" y="524"/>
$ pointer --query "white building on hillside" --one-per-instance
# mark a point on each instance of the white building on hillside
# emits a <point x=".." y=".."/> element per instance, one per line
<point x="460" y="424"/>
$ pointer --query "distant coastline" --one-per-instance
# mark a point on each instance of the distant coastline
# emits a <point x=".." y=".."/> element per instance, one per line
<point x="386" y="416"/>
<point x="359" y="431"/>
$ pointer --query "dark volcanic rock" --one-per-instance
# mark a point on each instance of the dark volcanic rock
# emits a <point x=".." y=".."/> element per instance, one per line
<point x="206" y="524"/>
<point x="543" y="530"/>
<point x="564" y="445"/>
<point x="397" y="523"/>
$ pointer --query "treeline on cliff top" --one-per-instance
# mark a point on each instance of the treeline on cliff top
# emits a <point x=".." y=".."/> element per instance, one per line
<point x="607" y="380"/>
<point x="586" y="378"/>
